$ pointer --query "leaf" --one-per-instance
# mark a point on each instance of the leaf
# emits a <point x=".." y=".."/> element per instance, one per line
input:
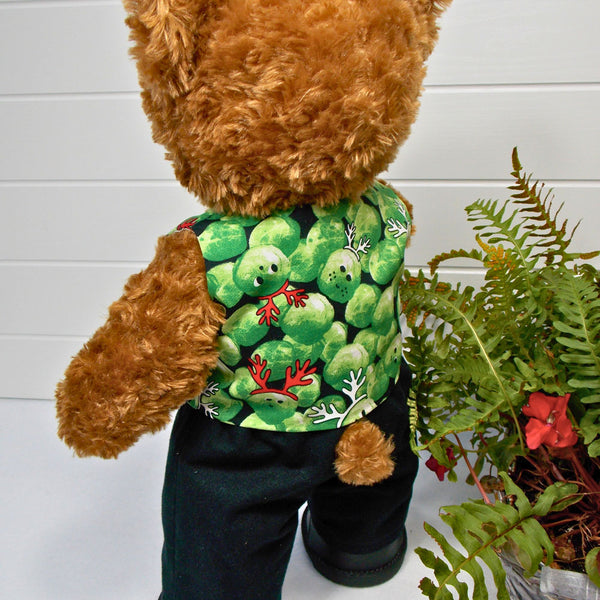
<point x="557" y="498"/>
<point x="482" y="528"/>
<point x="535" y="203"/>
<point x="578" y="318"/>
<point x="592" y="566"/>
<point x="441" y="570"/>
<point x="594" y="449"/>
<point x="527" y="371"/>
<point x="589" y="425"/>
<point x="477" y="359"/>
<point x="585" y="384"/>
<point x="434" y="263"/>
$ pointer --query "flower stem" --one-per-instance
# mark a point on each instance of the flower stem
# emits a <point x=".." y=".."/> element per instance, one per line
<point x="472" y="471"/>
<point x="582" y="472"/>
<point x="550" y="464"/>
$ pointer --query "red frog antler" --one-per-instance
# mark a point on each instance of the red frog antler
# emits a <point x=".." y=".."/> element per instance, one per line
<point x="299" y="377"/>
<point x="187" y="224"/>
<point x="257" y="370"/>
<point x="269" y="311"/>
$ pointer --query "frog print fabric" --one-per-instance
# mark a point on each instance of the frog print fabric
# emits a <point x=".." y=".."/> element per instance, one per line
<point x="312" y="338"/>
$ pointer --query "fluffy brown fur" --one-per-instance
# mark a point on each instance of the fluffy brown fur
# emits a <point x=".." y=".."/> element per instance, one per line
<point x="363" y="454"/>
<point x="152" y="355"/>
<point x="264" y="105"/>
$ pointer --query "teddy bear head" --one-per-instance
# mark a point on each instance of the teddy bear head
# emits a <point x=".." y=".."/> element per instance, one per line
<point x="267" y="104"/>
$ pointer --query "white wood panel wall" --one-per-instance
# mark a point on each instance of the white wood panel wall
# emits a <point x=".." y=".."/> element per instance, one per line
<point x="84" y="194"/>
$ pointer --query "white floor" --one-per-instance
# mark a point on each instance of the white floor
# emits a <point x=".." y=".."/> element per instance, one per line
<point x="73" y="529"/>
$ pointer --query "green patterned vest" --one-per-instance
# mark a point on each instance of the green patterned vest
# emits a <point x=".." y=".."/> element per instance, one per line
<point x="312" y="338"/>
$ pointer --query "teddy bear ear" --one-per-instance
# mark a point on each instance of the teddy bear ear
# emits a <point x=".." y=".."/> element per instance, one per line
<point x="166" y="35"/>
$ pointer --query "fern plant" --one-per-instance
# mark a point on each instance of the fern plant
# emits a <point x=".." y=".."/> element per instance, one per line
<point x="514" y="370"/>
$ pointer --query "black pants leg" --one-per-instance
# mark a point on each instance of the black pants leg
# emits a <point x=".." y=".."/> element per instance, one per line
<point x="231" y="500"/>
<point x="361" y="519"/>
<point x="230" y="506"/>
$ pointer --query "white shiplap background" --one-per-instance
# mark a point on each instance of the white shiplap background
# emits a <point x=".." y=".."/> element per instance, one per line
<point x="84" y="194"/>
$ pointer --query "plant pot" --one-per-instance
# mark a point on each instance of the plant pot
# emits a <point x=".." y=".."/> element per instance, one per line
<point x="547" y="583"/>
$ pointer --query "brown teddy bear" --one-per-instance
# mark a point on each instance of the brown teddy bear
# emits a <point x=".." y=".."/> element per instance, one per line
<point x="271" y="320"/>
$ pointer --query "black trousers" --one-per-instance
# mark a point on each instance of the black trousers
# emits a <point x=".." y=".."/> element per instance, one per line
<point x="231" y="498"/>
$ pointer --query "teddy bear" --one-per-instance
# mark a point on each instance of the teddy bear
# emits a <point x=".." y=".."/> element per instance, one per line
<point x="270" y="322"/>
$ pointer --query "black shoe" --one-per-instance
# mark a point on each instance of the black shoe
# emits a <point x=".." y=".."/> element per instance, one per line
<point x="353" y="570"/>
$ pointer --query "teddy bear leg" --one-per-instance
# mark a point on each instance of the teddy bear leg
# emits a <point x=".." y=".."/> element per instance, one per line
<point x="230" y="505"/>
<point x="355" y="534"/>
<point x="229" y="519"/>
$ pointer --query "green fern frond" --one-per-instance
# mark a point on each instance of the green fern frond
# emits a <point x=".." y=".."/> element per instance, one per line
<point x="498" y="223"/>
<point x="536" y="203"/>
<point x="482" y="529"/>
<point x="536" y="207"/>
<point x="578" y="321"/>
<point x="462" y="329"/>
<point x="435" y="262"/>
<point x="413" y="421"/>
<point x="511" y="293"/>
<point x="511" y="311"/>
<point x="497" y="227"/>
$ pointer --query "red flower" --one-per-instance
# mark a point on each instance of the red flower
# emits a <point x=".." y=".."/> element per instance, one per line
<point x="440" y="470"/>
<point x="549" y="423"/>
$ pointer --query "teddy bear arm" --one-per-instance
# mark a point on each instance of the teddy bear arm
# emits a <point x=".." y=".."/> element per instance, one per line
<point x="152" y="355"/>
